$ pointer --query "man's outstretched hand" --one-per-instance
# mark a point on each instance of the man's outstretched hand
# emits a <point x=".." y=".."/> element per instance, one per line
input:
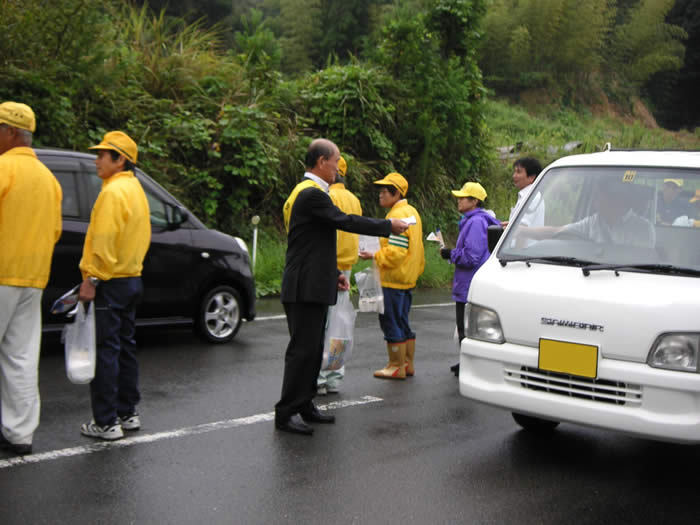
<point x="398" y="226"/>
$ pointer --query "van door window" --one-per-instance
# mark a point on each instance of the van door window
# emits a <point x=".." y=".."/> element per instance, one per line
<point x="70" y="206"/>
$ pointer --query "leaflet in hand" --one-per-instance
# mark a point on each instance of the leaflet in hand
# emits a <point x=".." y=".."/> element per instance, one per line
<point x="437" y="237"/>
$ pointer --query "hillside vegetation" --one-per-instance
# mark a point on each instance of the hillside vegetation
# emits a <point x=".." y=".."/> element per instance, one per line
<point x="223" y="98"/>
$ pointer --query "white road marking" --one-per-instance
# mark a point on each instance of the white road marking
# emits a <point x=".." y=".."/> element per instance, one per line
<point x="171" y="434"/>
<point x="277" y="317"/>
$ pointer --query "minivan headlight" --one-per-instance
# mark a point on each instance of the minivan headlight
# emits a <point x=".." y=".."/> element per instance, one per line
<point x="675" y="352"/>
<point x="241" y="243"/>
<point x="483" y="324"/>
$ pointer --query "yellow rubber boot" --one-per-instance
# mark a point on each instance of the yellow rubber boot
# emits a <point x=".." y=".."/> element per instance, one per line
<point x="410" y="352"/>
<point x="396" y="368"/>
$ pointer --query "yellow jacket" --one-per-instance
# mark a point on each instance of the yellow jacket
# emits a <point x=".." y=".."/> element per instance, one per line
<point x="348" y="243"/>
<point x="120" y="230"/>
<point x="401" y="259"/>
<point x="30" y="219"/>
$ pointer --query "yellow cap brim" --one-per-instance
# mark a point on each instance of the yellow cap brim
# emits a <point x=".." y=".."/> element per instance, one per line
<point x="113" y="148"/>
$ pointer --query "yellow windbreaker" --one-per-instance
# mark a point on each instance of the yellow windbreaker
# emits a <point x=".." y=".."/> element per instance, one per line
<point x="401" y="259"/>
<point x="120" y="230"/>
<point x="348" y="243"/>
<point x="30" y="219"/>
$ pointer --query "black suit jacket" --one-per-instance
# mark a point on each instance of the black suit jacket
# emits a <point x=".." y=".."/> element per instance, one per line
<point x="310" y="271"/>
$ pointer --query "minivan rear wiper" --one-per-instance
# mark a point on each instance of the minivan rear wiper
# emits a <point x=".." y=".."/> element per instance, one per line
<point x="562" y="259"/>
<point x="662" y="268"/>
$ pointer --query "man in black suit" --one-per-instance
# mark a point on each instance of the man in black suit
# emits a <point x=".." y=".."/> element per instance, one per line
<point x="311" y="280"/>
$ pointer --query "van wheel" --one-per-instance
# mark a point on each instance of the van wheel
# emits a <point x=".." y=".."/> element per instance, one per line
<point x="220" y="315"/>
<point x="535" y="424"/>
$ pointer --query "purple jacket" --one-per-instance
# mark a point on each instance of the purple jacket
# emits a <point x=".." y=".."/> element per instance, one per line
<point x="471" y="251"/>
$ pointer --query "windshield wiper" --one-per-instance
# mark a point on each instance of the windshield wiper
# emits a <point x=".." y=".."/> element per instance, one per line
<point x="662" y="268"/>
<point x="562" y="259"/>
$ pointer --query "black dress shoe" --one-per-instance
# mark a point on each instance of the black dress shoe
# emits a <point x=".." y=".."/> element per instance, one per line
<point x="20" y="449"/>
<point x="313" y="415"/>
<point x="455" y="369"/>
<point x="295" y="425"/>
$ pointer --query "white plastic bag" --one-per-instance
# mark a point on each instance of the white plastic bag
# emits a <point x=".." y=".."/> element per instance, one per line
<point x="79" y="340"/>
<point x="341" y="324"/>
<point x="370" y="288"/>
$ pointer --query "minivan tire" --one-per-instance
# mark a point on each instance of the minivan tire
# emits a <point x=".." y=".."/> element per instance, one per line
<point x="219" y="316"/>
<point x="535" y="424"/>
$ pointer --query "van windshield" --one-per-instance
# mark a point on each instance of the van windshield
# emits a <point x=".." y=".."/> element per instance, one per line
<point x="643" y="217"/>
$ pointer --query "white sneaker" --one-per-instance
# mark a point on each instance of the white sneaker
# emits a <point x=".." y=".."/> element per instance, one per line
<point x="131" y="422"/>
<point x="107" y="432"/>
<point x="321" y="390"/>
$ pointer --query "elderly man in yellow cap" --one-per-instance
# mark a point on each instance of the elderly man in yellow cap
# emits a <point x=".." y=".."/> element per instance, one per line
<point x="401" y="260"/>
<point x="30" y="225"/>
<point x="115" y="245"/>
<point x="471" y="250"/>
<point x="347" y="253"/>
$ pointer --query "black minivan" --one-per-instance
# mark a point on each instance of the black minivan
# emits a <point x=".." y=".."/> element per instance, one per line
<point x="191" y="274"/>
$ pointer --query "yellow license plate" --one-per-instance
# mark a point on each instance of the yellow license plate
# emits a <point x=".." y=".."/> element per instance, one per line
<point x="568" y="358"/>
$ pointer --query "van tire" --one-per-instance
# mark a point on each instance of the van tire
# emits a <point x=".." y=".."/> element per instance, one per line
<point x="535" y="424"/>
<point x="219" y="316"/>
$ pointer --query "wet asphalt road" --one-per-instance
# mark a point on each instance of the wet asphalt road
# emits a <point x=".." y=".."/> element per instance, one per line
<point x="401" y="452"/>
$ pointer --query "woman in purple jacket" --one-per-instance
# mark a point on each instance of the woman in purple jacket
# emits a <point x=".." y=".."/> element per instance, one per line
<point x="471" y="250"/>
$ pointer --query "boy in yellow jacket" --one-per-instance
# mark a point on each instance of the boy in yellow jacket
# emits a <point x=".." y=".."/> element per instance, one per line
<point x="401" y="261"/>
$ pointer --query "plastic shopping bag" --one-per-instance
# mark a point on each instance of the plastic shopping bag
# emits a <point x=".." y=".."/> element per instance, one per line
<point x="79" y="340"/>
<point x="341" y="324"/>
<point x="370" y="288"/>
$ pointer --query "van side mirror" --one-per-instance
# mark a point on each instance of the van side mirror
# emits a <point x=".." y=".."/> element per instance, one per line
<point x="177" y="215"/>
<point x="493" y="234"/>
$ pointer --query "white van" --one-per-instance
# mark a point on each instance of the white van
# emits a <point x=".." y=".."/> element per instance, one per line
<point x="594" y="316"/>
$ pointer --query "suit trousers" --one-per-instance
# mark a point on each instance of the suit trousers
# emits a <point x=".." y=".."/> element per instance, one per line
<point x="114" y="390"/>
<point x="302" y="361"/>
<point x="20" y="339"/>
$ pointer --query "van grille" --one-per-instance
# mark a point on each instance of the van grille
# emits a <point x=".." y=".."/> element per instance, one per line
<point x="598" y="390"/>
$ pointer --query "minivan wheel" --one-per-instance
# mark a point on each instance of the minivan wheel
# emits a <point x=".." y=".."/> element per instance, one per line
<point x="220" y="315"/>
<point x="535" y="424"/>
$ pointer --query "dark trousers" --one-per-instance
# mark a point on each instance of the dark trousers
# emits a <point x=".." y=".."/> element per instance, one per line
<point x="394" y="320"/>
<point x="114" y="390"/>
<point x="302" y="361"/>
<point x="459" y="310"/>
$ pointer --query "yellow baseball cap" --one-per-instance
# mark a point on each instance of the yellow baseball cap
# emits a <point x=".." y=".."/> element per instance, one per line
<point x="677" y="182"/>
<point x="121" y="143"/>
<point x="471" y="189"/>
<point x="396" y="180"/>
<point x="342" y="167"/>
<point x="18" y="116"/>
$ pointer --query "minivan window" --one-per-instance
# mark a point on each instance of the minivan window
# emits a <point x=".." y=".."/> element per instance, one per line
<point x="70" y="206"/>
<point x="159" y="217"/>
<point x="611" y="216"/>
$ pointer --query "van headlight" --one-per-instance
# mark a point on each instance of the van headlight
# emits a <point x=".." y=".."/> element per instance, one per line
<point x="675" y="352"/>
<point x="483" y="324"/>
<point x="241" y="244"/>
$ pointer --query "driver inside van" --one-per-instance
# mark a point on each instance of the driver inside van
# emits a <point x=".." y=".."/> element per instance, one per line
<point x="614" y="220"/>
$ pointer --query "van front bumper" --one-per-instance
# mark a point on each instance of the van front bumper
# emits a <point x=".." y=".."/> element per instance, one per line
<point x="626" y="396"/>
